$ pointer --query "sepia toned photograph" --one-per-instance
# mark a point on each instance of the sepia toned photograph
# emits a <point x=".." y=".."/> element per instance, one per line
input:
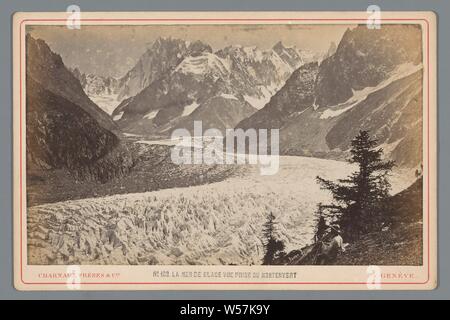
<point x="226" y="145"/>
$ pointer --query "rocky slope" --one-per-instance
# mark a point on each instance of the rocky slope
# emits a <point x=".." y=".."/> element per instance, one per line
<point x="400" y="243"/>
<point x="47" y="69"/>
<point x="151" y="171"/>
<point x="246" y="75"/>
<point x="60" y="134"/>
<point x="364" y="58"/>
<point x="295" y="96"/>
<point x="331" y="50"/>
<point x="373" y="81"/>
<point x="220" y="112"/>
<point x="65" y="129"/>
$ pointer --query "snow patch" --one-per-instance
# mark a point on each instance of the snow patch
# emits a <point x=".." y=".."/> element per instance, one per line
<point x="228" y="96"/>
<point x="118" y="116"/>
<point x="315" y="106"/>
<point x="151" y="114"/>
<point x="130" y="134"/>
<point x="256" y="102"/>
<point x="200" y="65"/>
<point x="329" y="113"/>
<point x="190" y="108"/>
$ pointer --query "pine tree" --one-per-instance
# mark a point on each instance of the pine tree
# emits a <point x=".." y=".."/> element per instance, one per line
<point x="321" y="224"/>
<point x="359" y="200"/>
<point x="272" y="246"/>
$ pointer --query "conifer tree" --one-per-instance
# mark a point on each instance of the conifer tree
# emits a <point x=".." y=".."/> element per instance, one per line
<point x="272" y="246"/>
<point x="359" y="199"/>
<point x="321" y="224"/>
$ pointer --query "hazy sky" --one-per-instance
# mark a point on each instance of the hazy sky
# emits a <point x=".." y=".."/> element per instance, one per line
<point x="113" y="50"/>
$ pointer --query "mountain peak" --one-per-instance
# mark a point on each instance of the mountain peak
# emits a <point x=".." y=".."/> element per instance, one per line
<point x="230" y="48"/>
<point x="162" y="42"/>
<point x="279" y="45"/>
<point x="364" y="58"/>
<point x="198" y="47"/>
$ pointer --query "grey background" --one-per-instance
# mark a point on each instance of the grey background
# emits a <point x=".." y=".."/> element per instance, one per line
<point x="8" y="7"/>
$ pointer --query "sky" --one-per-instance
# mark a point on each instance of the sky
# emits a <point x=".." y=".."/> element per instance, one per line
<point x="113" y="50"/>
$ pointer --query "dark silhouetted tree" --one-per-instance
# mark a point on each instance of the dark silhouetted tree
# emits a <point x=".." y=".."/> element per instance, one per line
<point x="273" y="247"/>
<point x="360" y="199"/>
<point x="321" y="224"/>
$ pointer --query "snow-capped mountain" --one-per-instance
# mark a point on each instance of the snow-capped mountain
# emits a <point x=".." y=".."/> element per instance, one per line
<point x="96" y="85"/>
<point x="291" y="55"/>
<point x="190" y="74"/>
<point x="258" y="74"/>
<point x="162" y="57"/>
<point x="372" y="82"/>
<point x="103" y="91"/>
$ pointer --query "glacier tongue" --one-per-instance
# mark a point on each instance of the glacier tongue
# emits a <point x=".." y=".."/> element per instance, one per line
<point x="218" y="223"/>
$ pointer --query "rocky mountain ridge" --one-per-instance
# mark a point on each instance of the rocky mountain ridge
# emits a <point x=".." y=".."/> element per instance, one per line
<point x="190" y="74"/>
<point x="47" y="69"/>
<point x="65" y="129"/>
<point x="373" y="82"/>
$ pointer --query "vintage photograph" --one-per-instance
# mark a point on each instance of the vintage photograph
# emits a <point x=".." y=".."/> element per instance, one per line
<point x="226" y="144"/>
